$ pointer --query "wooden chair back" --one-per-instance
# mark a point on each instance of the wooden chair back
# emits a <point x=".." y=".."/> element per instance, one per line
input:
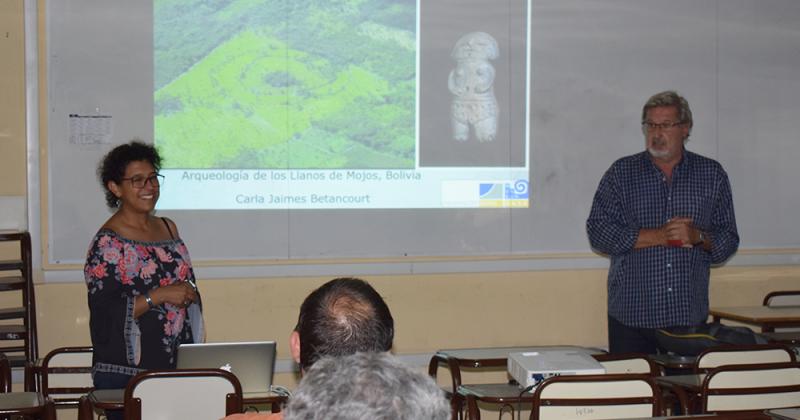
<point x="751" y="387"/>
<point x="5" y="374"/>
<point x="743" y="354"/>
<point x="21" y="404"/>
<point x="782" y="298"/>
<point x="65" y="374"/>
<point x="616" y="396"/>
<point x="198" y="394"/>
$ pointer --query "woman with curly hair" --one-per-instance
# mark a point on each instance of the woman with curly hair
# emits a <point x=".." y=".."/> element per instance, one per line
<point x="143" y="301"/>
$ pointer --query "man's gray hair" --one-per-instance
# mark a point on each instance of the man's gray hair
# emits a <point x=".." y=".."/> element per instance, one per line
<point x="366" y="386"/>
<point x="670" y="98"/>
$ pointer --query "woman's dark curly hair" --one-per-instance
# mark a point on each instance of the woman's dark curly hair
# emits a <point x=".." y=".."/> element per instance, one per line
<point x="113" y="165"/>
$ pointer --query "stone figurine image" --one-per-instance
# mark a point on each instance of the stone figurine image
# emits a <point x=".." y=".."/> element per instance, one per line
<point x="471" y="83"/>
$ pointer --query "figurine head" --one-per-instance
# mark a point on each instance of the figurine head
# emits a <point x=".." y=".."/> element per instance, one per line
<point x="476" y="46"/>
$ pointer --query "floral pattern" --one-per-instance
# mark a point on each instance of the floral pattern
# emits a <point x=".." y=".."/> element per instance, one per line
<point x="116" y="271"/>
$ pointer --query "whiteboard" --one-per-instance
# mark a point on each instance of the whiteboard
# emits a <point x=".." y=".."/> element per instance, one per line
<point x="594" y="63"/>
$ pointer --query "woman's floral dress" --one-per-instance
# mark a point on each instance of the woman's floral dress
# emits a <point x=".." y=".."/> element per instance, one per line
<point x="118" y="270"/>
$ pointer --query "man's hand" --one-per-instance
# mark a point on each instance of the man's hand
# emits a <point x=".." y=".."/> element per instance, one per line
<point x="680" y="231"/>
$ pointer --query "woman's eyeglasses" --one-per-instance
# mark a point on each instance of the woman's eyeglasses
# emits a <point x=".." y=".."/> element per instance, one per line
<point x="155" y="180"/>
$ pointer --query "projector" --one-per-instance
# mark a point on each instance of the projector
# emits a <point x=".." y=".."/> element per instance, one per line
<point x="530" y="368"/>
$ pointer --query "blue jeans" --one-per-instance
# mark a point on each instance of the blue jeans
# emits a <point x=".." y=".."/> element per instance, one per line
<point x="105" y="380"/>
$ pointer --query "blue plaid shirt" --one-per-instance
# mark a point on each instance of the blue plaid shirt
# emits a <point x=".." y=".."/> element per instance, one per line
<point x="661" y="286"/>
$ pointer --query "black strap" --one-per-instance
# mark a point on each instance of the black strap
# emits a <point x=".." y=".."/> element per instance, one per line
<point x="164" y="219"/>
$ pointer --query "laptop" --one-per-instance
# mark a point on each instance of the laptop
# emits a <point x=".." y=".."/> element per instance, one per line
<point x="251" y="362"/>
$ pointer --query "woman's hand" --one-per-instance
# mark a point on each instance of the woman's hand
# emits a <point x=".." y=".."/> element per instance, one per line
<point x="179" y="294"/>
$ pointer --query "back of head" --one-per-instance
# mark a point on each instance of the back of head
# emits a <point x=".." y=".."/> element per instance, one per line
<point x="342" y="317"/>
<point x="363" y="386"/>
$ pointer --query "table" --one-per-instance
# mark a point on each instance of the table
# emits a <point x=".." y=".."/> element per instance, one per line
<point x="507" y="395"/>
<point x="790" y="338"/>
<point x="755" y="415"/>
<point x="767" y="317"/>
<point x="103" y="399"/>
<point x="476" y="358"/>
<point x="510" y="396"/>
<point x="673" y="362"/>
<point x="686" y="387"/>
<point x="113" y="399"/>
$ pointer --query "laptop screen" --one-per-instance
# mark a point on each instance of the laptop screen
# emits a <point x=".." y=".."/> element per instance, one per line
<point x="251" y="362"/>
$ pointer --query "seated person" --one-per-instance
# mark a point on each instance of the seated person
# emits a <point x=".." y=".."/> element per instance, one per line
<point x="365" y="386"/>
<point x="342" y="317"/>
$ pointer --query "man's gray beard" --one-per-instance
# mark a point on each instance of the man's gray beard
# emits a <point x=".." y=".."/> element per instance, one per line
<point x="656" y="153"/>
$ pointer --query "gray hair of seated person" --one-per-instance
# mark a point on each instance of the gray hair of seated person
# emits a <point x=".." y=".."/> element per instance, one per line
<point x="366" y="386"/>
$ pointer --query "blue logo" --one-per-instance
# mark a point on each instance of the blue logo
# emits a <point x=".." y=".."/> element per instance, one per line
<point x="505" y="191"/>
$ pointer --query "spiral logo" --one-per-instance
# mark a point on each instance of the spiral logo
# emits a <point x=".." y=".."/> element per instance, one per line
<point x="521" y="187"/>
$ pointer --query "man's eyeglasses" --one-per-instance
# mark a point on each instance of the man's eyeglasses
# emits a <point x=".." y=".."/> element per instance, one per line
<point x="138" y="182"/>
<point x="651" y="126"/>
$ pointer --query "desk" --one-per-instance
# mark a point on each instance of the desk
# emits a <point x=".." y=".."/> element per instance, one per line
<point x="476" y="358"/>
<point x="26" y="405"/>
<point x="790" y="338"/>
<point x="686" y="387"/>
<point x="103" y="399"/>
<point x="767" y="317"/>
<point x="755" y="415"/>
<point x="507" y="395"/>
<point x="113" y="399"/>
<point x="673" y="362"/>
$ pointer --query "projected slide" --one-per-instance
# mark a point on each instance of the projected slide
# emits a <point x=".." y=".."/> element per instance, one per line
<point x="321" y="104"/>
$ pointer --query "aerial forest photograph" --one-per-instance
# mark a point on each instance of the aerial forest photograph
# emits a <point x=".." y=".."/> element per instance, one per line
<point x="285" y="84"/>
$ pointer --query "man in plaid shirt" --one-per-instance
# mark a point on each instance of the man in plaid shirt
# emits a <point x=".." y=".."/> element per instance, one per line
<point x="663" y="216"/>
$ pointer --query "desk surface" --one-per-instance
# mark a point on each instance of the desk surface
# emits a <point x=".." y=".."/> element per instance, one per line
<point x="511" y="393"/>
<point x="691" y="382"/>
<point x="729" y="416"/>
<point x="760" y="315"/>
<point x="499" y="393"/>
<point x="477" y="357"/>
<point x="673" y="361"/>
<point x="783" y="337"/>
<point x="111" y="399"/>
<point x="107" y="395"/>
